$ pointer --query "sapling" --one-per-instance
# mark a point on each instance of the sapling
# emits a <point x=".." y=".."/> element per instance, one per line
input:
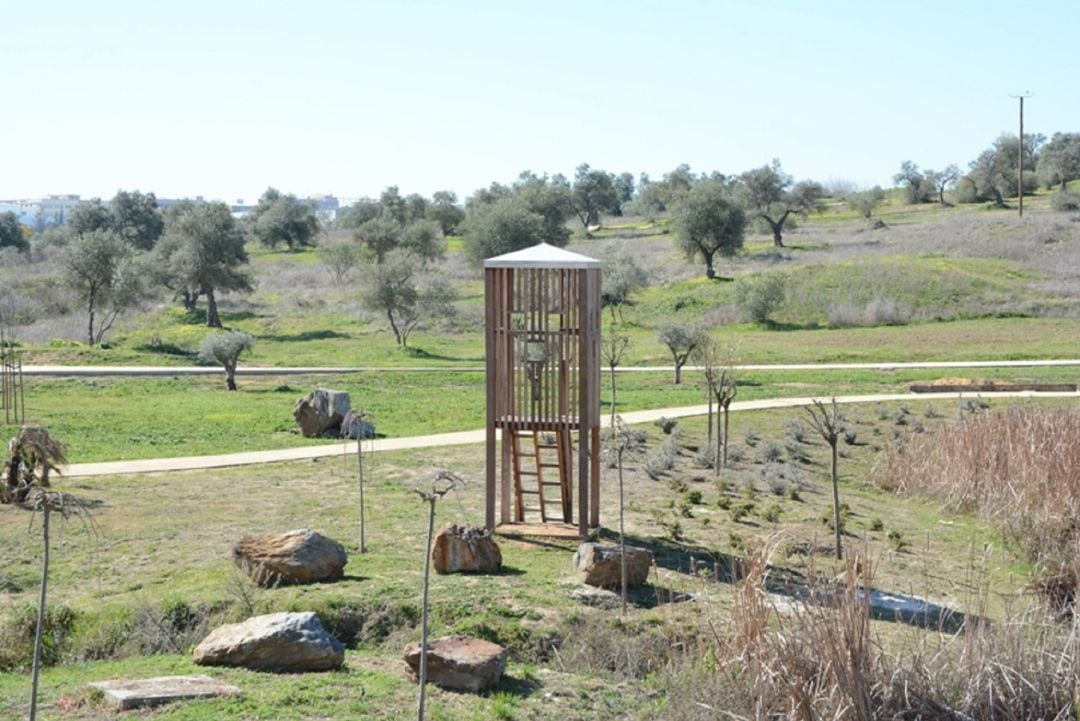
<point x="829" y="425"/>
<point x="444" y="482"/>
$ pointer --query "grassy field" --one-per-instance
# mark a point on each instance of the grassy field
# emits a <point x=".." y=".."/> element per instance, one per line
<point x="152" y="574"/>
<point x="161" y="543"/>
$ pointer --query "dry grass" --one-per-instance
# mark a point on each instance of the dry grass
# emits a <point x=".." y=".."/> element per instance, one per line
<point x="823" y="659"/>
<point x="1017" y="468"/>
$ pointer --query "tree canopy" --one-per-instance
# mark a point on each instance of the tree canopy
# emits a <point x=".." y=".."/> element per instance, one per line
<point x="136" y="218"/>
<point x="11" y="233"/>
<point x="395" y="289"/>
<point x="1059" y="160"/>
<point x="283" y="218"/>
<point x="502" y="227"/>
<point x="593" y="192"/>
<point x="708" y="222"/>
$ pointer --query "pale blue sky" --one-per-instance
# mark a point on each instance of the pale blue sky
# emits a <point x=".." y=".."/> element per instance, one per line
<point x="225" y="98"/>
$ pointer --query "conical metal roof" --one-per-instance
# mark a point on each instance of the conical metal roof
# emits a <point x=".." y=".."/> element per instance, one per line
<point x="542" y="255"/>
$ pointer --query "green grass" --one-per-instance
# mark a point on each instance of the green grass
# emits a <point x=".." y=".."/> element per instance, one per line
<point x="164" y="538"/>
<point x="104" y="419"/>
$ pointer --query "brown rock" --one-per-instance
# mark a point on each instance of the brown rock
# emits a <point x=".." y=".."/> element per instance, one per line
<point x="299" y="556"/>
<point x="459" y="663"/>
<point x="465" y="548"/>
<point x="321" y="412"/>
<point x="276" y="641"/>
<point x="599" y="565"/>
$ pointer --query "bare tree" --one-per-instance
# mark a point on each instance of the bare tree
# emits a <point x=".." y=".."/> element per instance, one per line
<point x="444" y="482"/>
<point x="613" y="348"/>
<point x="705" y="355"/>
<point x="622" y="440"/>
<point x="830" y="424"/>
<point x="726" y="389"/>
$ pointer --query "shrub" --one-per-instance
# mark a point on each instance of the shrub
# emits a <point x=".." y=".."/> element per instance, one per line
<point x="736" y="454"/>
<point x="772" y="513"/>
<point x="851" y="437"/>
<point x="17" y="636"/>
<point x="770" y="453"/>
<point x="740" y="511"/>
<point x="796" y="430"/>
<point x="694" y="497"/>
<point x="751" y="437"/>
<point x="896" y="540"/>
<point x="1065" y="201"/>
<point x="667" y="425"/>
<point x="706" y="457"/>
<point x="760" y="295"/>
<point x="876" y="524"/>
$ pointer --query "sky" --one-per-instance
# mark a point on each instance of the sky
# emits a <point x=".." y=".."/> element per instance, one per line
<point x="225" y="98"/>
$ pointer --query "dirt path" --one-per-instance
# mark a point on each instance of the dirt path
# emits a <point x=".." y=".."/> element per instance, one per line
<point x="183" y="463"/>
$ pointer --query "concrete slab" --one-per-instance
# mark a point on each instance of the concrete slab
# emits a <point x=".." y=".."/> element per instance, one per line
<point x="127" y="694"/>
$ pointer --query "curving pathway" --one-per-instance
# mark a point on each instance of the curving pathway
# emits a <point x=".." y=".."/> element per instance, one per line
<point x="186" y="463"/>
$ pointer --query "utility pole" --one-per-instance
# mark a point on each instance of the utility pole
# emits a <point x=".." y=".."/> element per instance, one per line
<point x="1020" y="174"/>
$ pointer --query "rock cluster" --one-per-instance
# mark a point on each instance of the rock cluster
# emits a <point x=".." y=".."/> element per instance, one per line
<point x="300" y="556"/>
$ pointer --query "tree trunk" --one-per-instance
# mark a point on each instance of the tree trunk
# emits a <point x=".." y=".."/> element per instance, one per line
<point x="622" y="537"/>
<point x="360" y="480"/>
<point x="230" y="377"/>
<point x="90" y="326"/>
<point x="678" y="372"/>
<point x="393" y="326"/>
<point x="719" y="450"/>
<point x="36" y="668"/>
<point x="708" y="423"/>
<point x="212" y="319"/>
<point x="710" y="272"/>
<point x="726" y="417"/>
<point x="613" y="397"/>
<point x="836" y="503"/>
<point x="777" y="234"/>
<point x="189" y="299"/>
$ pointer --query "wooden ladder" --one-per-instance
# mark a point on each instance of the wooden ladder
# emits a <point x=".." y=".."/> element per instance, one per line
<point x="530" y="466"/>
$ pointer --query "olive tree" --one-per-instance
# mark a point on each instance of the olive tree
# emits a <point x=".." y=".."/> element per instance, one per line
<point x="201" y="253"/>
<point x="136" y="218"/>
<point x="622" y="277"/>
<point x="772" y="196"/>
<point x="283" y="218"/>
<point x="224" y="348"/>
<point x="395" y="289"/>
<point x="501" y="227"/>
<point x="680" y="340"/>
<point x="866" y="202"/>
<point x="709" y="223"/>
<point x="1059" y="160"/>
<point x="101" y="269"/>
<point x="593" y="192"/>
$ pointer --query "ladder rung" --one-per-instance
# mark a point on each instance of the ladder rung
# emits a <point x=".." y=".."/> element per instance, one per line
<point x="549" y="465"/>
<point x="546" y="445"/>
<point x="526" y="473"/>
<point x="532" y="510"/>
<point x="531" y="493"/>
<point x="551" y="483"/>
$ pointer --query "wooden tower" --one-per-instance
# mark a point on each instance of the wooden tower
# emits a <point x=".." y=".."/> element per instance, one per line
<point x="542" y="344"/>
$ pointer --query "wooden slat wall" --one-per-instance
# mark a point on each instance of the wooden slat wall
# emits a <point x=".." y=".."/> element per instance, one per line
<point x="561" y="308"/>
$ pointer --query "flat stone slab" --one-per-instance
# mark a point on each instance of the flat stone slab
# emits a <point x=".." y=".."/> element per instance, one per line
<point x="142" y="692"/>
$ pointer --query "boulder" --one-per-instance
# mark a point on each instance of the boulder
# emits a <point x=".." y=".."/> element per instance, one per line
<point x="459" y="663"/>
<point x="300" y="556"/>
<point x="354" y="426"/>
<point x="465" y="548"/>
<point x="598" y="565"/>
<point x="276" y="641"/>
<point x="321" y="412"/>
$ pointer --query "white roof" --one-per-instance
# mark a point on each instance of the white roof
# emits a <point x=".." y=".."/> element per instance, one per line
<point x="542" y="255"/>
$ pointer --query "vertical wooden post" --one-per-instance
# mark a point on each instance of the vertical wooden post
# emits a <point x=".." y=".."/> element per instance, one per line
<point x="489" y="354"/>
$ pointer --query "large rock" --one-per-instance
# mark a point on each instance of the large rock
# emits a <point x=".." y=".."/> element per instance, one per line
<point x="599" y="565"/>
<point x="276" y="641"/>
<point x="459" y="663"/>
<point x="126" y="694"/>
<point x="321" y="412"/>
<point x="465" y="548"/>
<point x="300" y="556"/>
<point x="354" y="426"/>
